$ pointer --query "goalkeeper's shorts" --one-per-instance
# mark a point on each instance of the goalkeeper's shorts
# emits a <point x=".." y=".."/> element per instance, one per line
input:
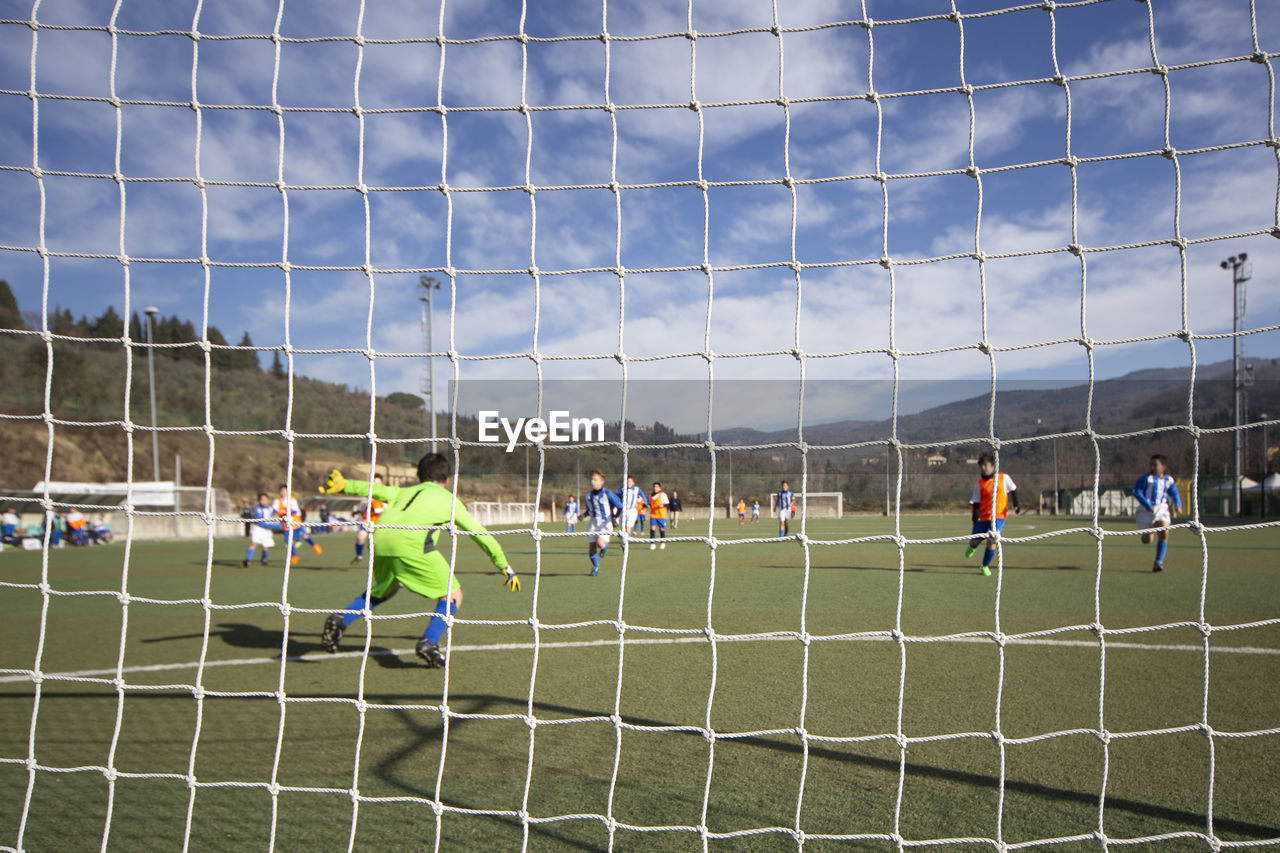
<point x="427" y="575"/>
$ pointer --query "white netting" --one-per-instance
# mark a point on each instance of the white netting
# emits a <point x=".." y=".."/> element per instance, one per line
<point x="883" y="171"/>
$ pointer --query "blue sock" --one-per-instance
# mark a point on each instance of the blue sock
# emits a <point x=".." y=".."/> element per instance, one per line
<point x="595" y="560"/>
<point x="357" y="604"/>
<point x="359" y="550"/>
<point x="248" y="555"/>
<point x="1162" y="547"/>
<point x="988" y="556"/>
<point x="438" y="626"/>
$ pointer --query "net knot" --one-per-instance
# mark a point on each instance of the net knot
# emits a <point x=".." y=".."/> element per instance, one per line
<point x="692" y="35"/>
<point x="1103" y="735"/>
<point x="695" y="105"/>
<point x="1205" y="729"/>
<point x="110" y="774"/>
<point x="443" y="188"/>
<point x="1275" y="232"/>
<point x="613" y="186"/>
<point x="966" y="90"/>
<point x="896" y="635"/>
<point x="886" y="261"/>
<point x="530" y="721"/>
<point x="980" y="257"/>
<point x="1075" y="249"/>
<point x="954" y="17"/>
<point x="1169" y="152"/>
<point x="195" y="105"/>
<point x="1070" y="162"/>
<point x="1180" y="242"/>
<point x="1160" y="70"/>
<point x="1048" y="5"/>
<point x="872" y="96"/>
<point x="1258" y="57"/>
<point x="869" y="23"/>
<point x="1059" y="80"/>
<point x="704" y="186"/>
<point x="1097" y="629"/>
<point x="973" y="171"/>
<point x="788" y="182"/>
<point x="1205" y="629"/>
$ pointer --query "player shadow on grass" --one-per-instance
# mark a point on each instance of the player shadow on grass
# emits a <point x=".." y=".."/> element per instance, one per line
<point x="427" y="731"/>
<point x="243" y="635"/>
<point x="925" y="567"/>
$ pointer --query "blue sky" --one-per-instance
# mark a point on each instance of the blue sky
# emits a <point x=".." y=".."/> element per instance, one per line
<point x="320" y="146"/>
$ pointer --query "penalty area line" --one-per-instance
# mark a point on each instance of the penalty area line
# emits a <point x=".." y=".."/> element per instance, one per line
<point x="580" y="644"/>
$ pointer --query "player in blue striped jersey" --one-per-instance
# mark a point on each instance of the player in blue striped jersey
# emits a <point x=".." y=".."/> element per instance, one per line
<point x="1154" y="491"/>
<point x="786" y="498"/>
<point x="600" y="504"/>
<point x="632" y="505"/>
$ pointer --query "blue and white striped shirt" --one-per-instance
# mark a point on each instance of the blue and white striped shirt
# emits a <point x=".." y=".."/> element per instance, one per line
<point x="1152" y="491"/>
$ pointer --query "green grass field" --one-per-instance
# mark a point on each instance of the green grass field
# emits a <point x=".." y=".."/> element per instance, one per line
<point x="804" y="736"/>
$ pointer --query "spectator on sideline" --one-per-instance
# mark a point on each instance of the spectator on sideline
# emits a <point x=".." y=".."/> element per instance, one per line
<point x="10" y="527"/>
<point x="675" y="507"/>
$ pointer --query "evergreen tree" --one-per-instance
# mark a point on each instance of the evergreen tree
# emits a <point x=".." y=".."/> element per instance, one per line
<point x="108" y="325"/>
<point x="277" y="368"/>
<point x="247" y="358"/>
<point x="10" y="316"/>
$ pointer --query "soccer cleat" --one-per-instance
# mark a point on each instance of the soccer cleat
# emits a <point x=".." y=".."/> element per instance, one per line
<point x="662" y="547"/>
<point x="652" y="547"/>
<point x="264" y="561"/>
<point x="1156" y="567"/>
<point x="595" y="570"/>
<point x="355" y="560"/>
<point x="986" y="572"/>
<point x="430" y="653"/>
<point x="293" y="561"/>
<point x="332" y="635"/>
<point x="245" y="563"/>
<point x="317" y="549"/>
<point x="969" y="551"/>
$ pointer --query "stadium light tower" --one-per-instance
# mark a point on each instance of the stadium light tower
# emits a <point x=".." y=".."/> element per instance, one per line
<point x="428" y="285"/>
<point x="1239" y="275"/>
<point x="151" y="312"/>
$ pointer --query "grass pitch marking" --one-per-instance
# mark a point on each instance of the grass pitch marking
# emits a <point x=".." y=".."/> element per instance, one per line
<point x="312" y="657"/>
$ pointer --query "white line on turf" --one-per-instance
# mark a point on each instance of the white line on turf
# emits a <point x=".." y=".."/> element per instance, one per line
<point x="506" y="647"/>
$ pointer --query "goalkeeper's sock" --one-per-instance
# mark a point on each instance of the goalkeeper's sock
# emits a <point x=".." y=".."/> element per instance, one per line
<point x="1162" y="548"/>
<point x="438" y="626"/>
<point x="358" y="604"/>
<point x="988" y="557"/>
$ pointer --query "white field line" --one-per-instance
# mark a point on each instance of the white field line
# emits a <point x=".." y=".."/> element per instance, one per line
<point x="506" y="647"/>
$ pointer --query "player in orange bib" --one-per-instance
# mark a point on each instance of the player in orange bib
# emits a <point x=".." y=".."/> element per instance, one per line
<point x="989" y="505"/>
<point x="658" y="503"/>
<point x="368" y="518"/>
<point x="287" y="510"/>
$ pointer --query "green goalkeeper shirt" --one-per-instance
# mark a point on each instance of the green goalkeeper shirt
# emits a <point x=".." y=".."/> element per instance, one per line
<point x="420" y="506"/>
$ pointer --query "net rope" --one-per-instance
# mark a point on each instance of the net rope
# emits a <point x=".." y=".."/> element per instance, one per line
<point x="630" y="635"/>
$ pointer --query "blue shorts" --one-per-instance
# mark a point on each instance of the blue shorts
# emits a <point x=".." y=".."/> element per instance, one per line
<point x="980" y="527"/>
<point x="658" y="522"/>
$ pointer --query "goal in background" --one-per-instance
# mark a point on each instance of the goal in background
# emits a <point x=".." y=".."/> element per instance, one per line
<point x="737" y="277"/>
<point x="813" y="504"/>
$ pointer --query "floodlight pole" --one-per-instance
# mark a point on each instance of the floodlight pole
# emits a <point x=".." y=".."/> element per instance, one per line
<point x="1239" y="275"/>
<point x="429" y="284"/>
<point x="151" y="312"/>
<point x="1262" y="485"/>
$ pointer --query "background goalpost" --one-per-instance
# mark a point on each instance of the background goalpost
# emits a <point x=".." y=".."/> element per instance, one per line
<point x="838" y="706"/>
<point x="813" y="504"/>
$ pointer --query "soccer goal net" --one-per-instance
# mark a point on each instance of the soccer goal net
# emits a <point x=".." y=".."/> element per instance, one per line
<point x="813" y="504"/>
<point x="491" y="513"/>
<point x="247" y="235"/>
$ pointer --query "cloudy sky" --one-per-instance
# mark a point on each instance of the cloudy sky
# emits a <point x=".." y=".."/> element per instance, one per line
<point x="826" y="146"/>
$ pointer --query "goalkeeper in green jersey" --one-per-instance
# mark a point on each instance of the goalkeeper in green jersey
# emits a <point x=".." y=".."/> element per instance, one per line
<point x="409" y="558"/>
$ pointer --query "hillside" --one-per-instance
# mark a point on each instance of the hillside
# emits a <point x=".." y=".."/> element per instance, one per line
<point x="250" y="408"/>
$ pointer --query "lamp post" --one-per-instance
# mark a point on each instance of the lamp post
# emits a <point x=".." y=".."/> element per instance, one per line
<point x="1239" y="275"/>
<point x="1262" y="486"/>
<point x="428" y="285"/>
<point x="151" y="312"/>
